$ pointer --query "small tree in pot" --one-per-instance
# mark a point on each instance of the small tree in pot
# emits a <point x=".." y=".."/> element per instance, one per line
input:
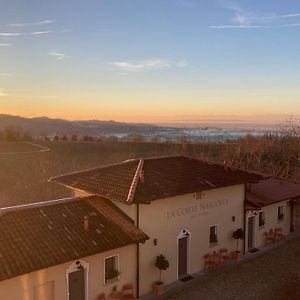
<point x="238" y="235"/>
<point x="161" y="263"/>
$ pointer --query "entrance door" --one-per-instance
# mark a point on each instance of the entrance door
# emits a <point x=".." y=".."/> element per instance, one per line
<point x="76" y="285"/>
<point x="251" y="232"/>
<point x="182" y="257"/>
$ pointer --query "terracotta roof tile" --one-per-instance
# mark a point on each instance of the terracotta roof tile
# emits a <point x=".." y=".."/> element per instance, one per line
<point x="36" y="237"/>
<point x="272" y="190"/>
<point x="112" y="182"/>
<point x="162" y="177"/>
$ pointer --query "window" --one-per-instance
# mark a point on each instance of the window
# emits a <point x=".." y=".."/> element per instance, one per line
<point x="280" y="213"/>
<point x="111" y="268"/>
<point x="213" y="235"/>
<point x="261" y="219"/>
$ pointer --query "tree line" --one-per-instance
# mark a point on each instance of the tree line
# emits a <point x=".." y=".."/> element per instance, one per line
<point x="15" y="133"/>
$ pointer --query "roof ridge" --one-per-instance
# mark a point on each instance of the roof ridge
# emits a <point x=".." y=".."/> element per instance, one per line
<point x="37" y="204"/>
<point x="135" y="181"/>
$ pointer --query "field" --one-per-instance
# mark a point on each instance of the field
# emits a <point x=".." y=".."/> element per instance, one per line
<point x="12" y="147"/>
<point x="23" y="177"/>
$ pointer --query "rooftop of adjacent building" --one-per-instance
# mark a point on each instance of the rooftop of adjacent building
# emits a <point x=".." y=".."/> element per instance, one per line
<point x="41" y="235"/>
<point x="272" y="190"/>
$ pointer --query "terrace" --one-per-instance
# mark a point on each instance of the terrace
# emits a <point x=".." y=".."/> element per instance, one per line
<point x="239" y="280"/>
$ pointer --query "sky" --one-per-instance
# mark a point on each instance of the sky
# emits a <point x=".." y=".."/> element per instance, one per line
<point x="150" y="60"/>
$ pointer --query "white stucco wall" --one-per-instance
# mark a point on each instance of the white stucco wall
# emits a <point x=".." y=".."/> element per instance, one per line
<point x="22" y="287"/>
<point x="272" y="222"/>
<point x="164" y="219"/>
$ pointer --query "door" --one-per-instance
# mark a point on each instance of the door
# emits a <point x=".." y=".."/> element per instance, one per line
<point x="250" y="233"/>
<point x="182" y="257"/>
<point x="76" y="285"/>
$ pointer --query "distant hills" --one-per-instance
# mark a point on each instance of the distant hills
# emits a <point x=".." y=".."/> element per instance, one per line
<point x="48" y="126"/>
<point x="44" y="126"/>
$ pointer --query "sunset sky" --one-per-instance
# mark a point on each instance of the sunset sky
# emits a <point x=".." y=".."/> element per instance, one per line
<point x="150" y="60"/>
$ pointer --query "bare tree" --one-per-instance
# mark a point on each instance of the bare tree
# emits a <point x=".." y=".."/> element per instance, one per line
<point x="291" y="127"/>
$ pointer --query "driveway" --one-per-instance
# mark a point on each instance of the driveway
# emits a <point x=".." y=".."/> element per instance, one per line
<point x="275" y="275"/>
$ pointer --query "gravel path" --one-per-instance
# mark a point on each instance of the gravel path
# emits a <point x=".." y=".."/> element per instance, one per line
<point x="272" y="276"/>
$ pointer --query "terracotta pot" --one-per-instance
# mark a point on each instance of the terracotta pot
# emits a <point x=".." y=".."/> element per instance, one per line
<point x="238" y="255"/>
<point x="158" y="288"/>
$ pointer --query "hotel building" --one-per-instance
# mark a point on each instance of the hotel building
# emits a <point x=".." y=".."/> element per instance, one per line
<point x="124" y="215"/>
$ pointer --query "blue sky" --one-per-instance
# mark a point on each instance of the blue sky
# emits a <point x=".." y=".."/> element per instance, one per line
<point x="149" y="60"/>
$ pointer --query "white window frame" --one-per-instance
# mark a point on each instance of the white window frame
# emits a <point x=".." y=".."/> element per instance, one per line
<point x="117" y="255"/>
<point x="280" y="206"/>
<point x="217" y="231"/>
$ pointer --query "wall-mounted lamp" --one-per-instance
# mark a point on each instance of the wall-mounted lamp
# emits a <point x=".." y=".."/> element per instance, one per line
<point x="79" y="266"/>
<point x="186" y="233"/>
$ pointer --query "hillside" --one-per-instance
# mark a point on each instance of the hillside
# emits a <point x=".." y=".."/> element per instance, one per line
<point x="48" y="126"/>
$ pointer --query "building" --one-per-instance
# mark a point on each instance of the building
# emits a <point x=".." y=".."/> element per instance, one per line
<point x="130" y="213"/>
<point x="66" y="249"/>
<point x="187" y="207"/>
<point x="272" y="203"/>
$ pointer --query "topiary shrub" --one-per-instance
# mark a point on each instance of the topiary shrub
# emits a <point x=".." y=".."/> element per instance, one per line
<point x="238" y="235"/>
<point x="161" y="263"/>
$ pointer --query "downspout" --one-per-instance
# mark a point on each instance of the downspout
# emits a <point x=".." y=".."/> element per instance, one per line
<point x="292" y="216"/>
<point x="138" y="176"/>
<point x="244" y="245"/>
<point x="137" y="253"/>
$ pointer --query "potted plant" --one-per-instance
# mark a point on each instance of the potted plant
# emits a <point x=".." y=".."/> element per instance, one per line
<point x="262" y="222"/>
<point x="161" y="263"/>
<point x="115" y="294"/>
<point x="238" y="235"/>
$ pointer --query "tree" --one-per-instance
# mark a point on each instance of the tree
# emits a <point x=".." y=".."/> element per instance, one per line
<point x="291" y="127"/>
<point x="161" y="263"/>
<point x="74" y="137"/>
<point x="238" y="235"/>
<point x="138" y="138"/>
<point x="64" y="138"/>
<point x="155" y="139"/>
<point x="26" y="136"/>
<point x="12" y="133"/>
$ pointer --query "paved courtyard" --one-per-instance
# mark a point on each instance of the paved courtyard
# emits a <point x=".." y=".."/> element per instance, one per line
<point x="274" y="275"/>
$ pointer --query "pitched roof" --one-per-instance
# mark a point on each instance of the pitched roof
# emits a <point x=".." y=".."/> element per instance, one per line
<point x="272" y="190"/>
<point x="154" y="178"/>
<point x="38" y="236"/>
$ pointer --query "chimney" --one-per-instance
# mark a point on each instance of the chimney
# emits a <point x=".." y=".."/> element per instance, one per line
<point x="226" y="165"/>
<point x="86" y="223"/>
<point x="142" y="178"/>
